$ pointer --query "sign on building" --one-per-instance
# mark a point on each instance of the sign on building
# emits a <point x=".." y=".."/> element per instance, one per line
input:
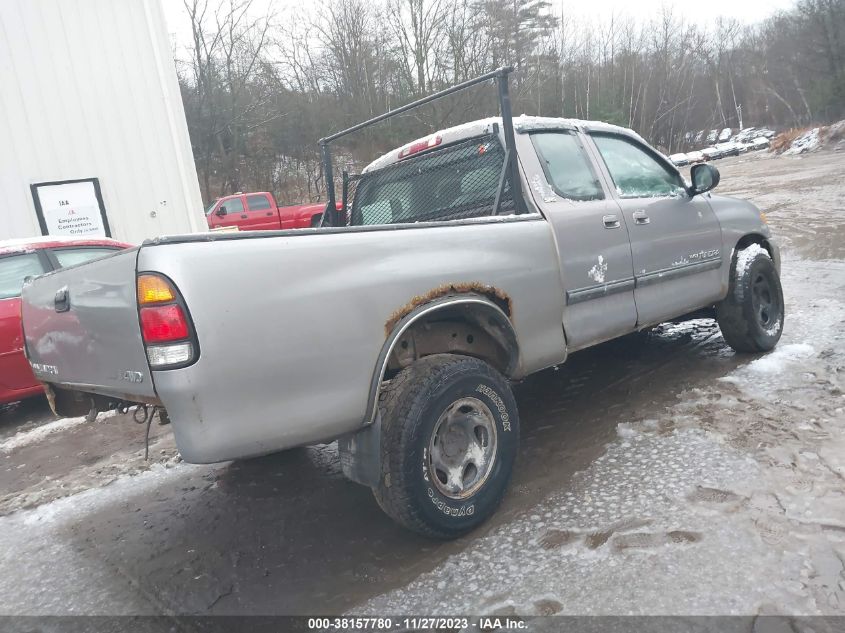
<point x="71" y="207"/>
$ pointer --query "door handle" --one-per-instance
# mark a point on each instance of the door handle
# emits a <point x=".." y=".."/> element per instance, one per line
<point x="269" y="213"/>
<point x="243" y="216"/>
<point x="641" y="217"/>
<point x="611" y="222"/>
<point x="62" y="300"/>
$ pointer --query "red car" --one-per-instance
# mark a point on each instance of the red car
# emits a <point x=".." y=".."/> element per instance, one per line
<point x="257" y="211"/>
<point x="24" y="258"/>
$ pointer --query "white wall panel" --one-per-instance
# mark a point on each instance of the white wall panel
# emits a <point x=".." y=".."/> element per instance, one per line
<point x="88" y="89"/>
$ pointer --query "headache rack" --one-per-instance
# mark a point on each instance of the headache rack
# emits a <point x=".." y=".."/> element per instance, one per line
<point x="469" y="178"/>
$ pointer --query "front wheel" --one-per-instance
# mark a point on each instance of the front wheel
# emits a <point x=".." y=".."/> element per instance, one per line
<point x="450" y="434"/>
<point x="751" y="316"/>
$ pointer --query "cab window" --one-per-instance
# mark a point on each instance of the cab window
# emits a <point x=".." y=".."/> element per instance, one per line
<point x="257" y="203"/>
<point x="234" y="205"/>
<point x="637" y="173"/>
<point x="566" y="167"/>
<point x="454" y="182"/>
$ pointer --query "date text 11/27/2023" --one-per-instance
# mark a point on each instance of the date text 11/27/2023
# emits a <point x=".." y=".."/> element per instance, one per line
<point x="491" y="623"/>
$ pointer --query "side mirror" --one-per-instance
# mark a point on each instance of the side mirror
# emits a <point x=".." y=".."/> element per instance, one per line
<point x="220" y="212"/>
<point x="704" y="178"/>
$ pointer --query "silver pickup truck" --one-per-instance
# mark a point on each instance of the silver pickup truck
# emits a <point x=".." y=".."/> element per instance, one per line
<point x="466" y="260"/>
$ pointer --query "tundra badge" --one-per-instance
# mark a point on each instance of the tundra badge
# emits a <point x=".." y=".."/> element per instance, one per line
<point x="45" y="369"/>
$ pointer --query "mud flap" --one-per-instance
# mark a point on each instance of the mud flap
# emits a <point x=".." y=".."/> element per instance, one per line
<point x="360" y="454"/>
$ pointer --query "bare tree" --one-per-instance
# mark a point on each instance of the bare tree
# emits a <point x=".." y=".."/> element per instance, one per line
<point x="259" y="92"/>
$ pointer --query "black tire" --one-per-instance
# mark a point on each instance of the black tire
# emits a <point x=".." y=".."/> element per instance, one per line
<point x="412" y="408"/>
<point x="315" y="221"/>
<point x="751" y="316"/>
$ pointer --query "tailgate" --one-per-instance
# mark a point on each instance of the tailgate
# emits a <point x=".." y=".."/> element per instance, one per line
<point x="81" y="328"/>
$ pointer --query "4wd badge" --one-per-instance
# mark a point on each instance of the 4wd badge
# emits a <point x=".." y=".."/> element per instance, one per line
<point x="132" y="376"/>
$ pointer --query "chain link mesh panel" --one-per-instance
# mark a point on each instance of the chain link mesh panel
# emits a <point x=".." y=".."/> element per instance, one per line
<point x="455" y="182"/>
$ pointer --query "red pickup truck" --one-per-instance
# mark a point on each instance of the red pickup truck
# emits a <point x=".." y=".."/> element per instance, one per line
<point x="257" y="211"/>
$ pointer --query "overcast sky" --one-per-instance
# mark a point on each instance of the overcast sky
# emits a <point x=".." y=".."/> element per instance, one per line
<point x="698" y="11"/>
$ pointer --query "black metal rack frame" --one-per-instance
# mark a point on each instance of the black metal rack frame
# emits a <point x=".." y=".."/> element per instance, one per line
<point x="511" y="170"/>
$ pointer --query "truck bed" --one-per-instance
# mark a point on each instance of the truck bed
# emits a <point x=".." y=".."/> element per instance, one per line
<point x="290" y="324"/>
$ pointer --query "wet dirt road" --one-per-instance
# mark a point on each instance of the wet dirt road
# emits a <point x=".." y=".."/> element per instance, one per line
<point x="664" y="472"/>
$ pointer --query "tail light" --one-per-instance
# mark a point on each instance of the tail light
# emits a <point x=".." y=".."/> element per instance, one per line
<point x="420" y="146"/>
<point x="166" y="326"/>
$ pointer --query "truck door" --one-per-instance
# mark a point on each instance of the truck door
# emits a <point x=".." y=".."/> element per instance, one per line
<point x="591" y="237"/>
<point x="676" y="240"/>
<point x="230" y="212"/>
<point x="262" y="213"/>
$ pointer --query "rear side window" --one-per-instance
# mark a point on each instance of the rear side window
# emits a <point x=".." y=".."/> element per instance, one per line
<point x="72" y="256"/>
<point x="235" y="205"/>
<point x="566" y="166"/>
<point x="456" y="182"/>
<point x="635" y="172"/>
<point x="258" y="203"/>
<point x="14" y="269"/>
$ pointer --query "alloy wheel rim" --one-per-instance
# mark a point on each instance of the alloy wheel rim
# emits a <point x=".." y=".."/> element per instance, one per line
<point x="462" y="449"/>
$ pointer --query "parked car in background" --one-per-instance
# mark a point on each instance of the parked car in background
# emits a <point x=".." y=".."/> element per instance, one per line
<point x="744" y="135"/>
<point x="728" y="149"/>
<point x="679" y="160"/>
<point x="712" y="153"/>
<point x="258" y="211"/>
<point x="760" y="142"/>
<point x="20" y="259"/>
<point x="695" y="157"/>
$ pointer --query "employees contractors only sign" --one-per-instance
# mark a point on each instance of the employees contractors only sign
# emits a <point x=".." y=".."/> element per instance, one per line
<point x="71" y="207"/>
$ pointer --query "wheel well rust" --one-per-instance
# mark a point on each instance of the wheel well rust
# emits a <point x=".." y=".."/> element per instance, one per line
<point x="496" y="295"/>
<point x="432" y="318"/>
<point x="478" y="328"/>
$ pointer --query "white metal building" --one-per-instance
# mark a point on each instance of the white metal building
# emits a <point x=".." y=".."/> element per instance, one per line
<point x="93" y="136"/>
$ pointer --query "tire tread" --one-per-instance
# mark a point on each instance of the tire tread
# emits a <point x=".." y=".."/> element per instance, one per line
<point x="405" y="392"/>
<point x="730" y="313"/>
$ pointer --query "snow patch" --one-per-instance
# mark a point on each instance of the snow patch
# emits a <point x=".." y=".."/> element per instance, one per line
<point x="521" y="124"/>
<point x="746" y="256"/>
<point x="625" y="430"/>
<point x="25" y="438"/>
<point x="542" y="188"/>
<point x="807" y="142"/>
<point x="71" y="508"/>
<point x="776" y="361"/>
<point x="598" y="271"/>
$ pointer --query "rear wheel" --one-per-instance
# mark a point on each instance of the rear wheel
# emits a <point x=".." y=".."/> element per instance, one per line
<point x="450" y="434"/>
<point x="315" y="221"/>
<point x="751" y="316"/>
